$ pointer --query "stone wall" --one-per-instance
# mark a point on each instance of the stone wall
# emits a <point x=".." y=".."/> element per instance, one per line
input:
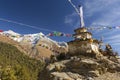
<point x="83" y="47"/>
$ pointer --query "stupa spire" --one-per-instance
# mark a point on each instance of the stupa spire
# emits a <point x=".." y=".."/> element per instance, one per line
<point x="81" y="16"/>
<point x="79" y="12"/>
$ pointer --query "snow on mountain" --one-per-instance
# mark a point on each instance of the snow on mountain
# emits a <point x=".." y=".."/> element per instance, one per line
<point x="63" y="44"/>
<point x="32" y="38"/>
<point x="10" y="32"/>
<point x="37" y="45"/>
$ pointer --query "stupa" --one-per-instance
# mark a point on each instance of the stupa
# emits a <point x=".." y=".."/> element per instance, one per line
<point x="83" y="42"/>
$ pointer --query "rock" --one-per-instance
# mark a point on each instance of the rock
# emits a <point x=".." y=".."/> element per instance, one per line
<point x="50" y="67"/>
<point x="94" y="73"/>
<point x="89" y="63"/>
<point x="59" y="75"/>
<point x="56" y="66"/>
<point x="66" y="76"/>
<point x="89" y="78"/>
<point x="74" y="75"/>
<point x="80" y="68"/>
<point x="108" y="76"/>
<point x="75" y="58"/>
<point x="83" y="64"/>
<point x="102" y="70"/>
<point x="109" y="65"/>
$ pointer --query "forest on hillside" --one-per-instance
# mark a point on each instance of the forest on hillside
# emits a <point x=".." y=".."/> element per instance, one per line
<point x="15" y="65"/>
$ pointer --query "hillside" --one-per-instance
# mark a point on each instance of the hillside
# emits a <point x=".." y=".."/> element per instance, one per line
<point x="15" y="65"/>
<point x="8" y="40"/>
<point x="37" y="46"/>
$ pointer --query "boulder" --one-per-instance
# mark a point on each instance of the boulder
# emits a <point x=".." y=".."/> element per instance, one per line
<point x="65" y="76"/>
<point x="80" y="68"/>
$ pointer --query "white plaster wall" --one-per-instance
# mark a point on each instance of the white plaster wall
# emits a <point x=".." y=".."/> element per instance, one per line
<point x="84" y="48"/>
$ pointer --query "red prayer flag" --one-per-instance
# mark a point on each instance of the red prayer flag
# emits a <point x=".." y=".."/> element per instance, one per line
<point x="1" y="30"/>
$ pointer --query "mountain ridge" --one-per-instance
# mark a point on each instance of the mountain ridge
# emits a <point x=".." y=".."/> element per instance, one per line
<point x="36" y="45"/>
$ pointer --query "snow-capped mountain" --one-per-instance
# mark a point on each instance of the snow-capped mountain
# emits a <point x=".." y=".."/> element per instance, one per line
<point x="36" y="45"/>
<point x="10" y="32"/>
<point x="31" y="38"/>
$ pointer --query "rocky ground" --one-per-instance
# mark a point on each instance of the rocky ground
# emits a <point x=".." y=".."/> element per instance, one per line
<point x="82" y="68"/>
<point x="109" y="76"/>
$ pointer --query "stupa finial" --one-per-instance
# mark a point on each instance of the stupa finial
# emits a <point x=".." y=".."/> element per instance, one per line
<point x="81" y="16"/>
<point x="79" y="12"/>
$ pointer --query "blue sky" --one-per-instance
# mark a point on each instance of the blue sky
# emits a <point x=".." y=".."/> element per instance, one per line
<point x="59" y="15"/>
